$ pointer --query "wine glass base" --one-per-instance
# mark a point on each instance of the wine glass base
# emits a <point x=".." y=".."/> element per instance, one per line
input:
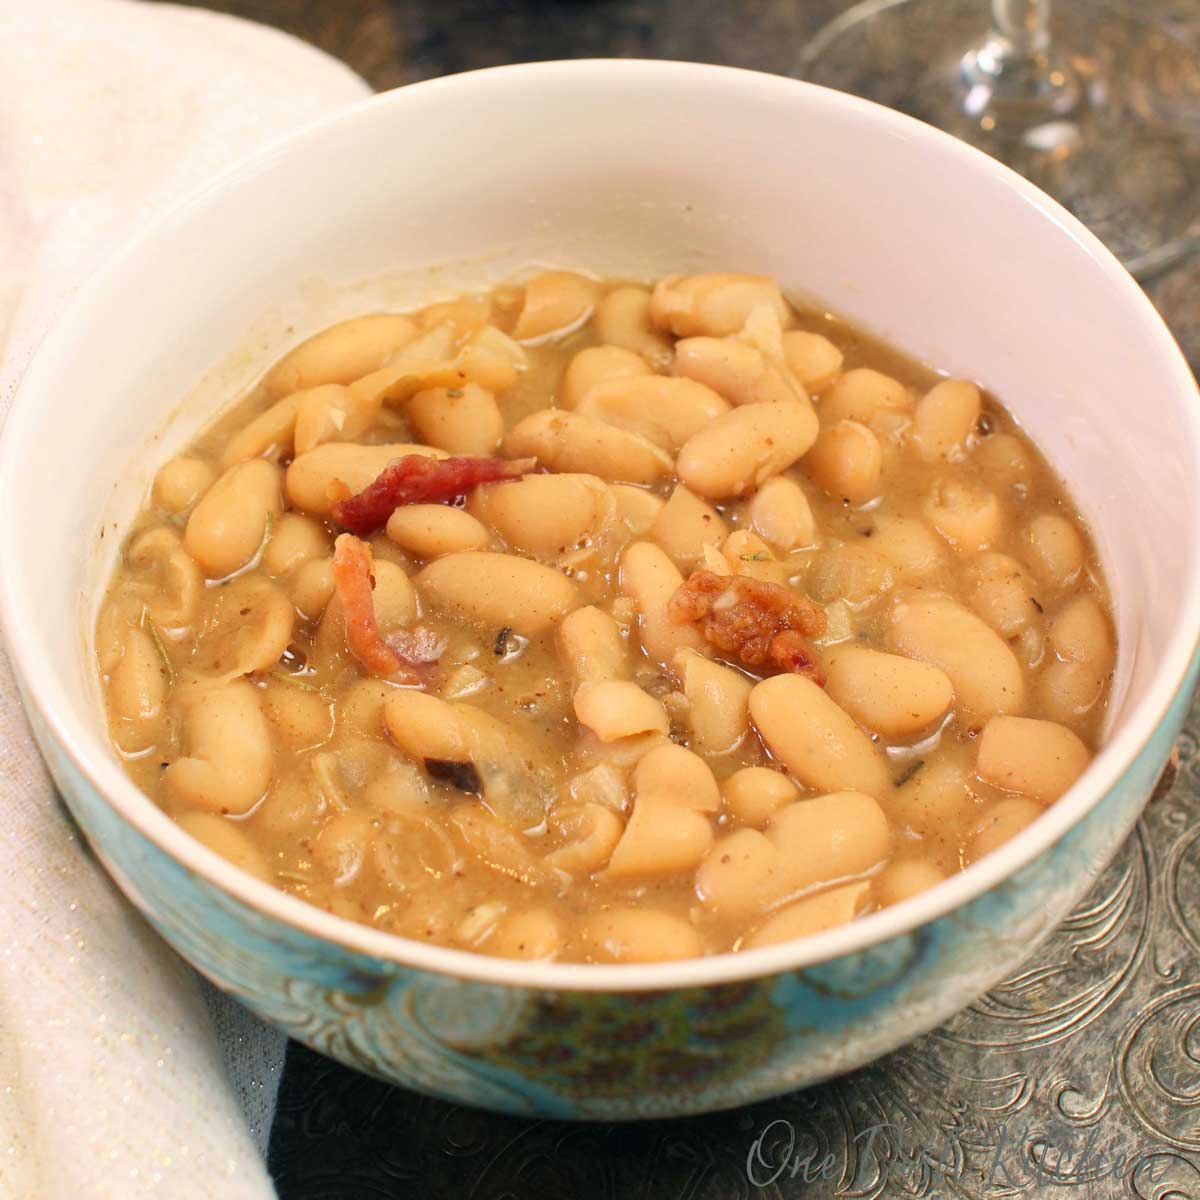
<point x="1108" y="123"/>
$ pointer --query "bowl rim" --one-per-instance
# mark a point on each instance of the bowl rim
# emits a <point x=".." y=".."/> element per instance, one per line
<point x="93" y="758"/>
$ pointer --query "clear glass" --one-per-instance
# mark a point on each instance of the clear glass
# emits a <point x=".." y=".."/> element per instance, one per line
<point x="1095" y="101"/>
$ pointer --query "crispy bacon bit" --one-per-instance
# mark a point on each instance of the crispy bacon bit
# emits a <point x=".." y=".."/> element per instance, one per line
<point x="404" y="651"/>
<point x="419" y="479"/>
<point x="761" y="624"/>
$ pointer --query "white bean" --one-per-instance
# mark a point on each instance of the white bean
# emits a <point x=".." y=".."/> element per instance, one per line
<point x="566" y="441"/>
<point x="229" y="525"/>
<point x="498" y="590"/>
<point x="817" y="741"/>
<point x="623" y="319"/>
<point x="596" y="364"/>
<point x="660" y="409"/>
<point x="228" y="765"/>
<point x="743" y="448"/>
<point x="986" y="675"/>
<point x="718" y="702"/>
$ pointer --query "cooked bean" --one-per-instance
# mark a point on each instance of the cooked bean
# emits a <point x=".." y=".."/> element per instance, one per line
<point x="228" y="764"/>
<point x="1068" y="691"/>
<point x="651" y="579"/>
<point x="1037" y="758"/>
<point x="181" y="482"/>
<point x="780" y="513"/>
<point x="341" y="847"/>
<point x="594" y="832"/>
<point x="967" y="516"/>
<point x="1080" y="632"/>
<point x="861" y="394"/>
<point x="933" y="797"/>
<point x="615" y="709"/>
<point x="685" y="525"/>
<point x="1053" y="549"/>
<point x="944" y="419"/>
<point x="718" y="702"/>
<point x="985" y="673"/>
<point x="498" y="590"/>
<point x="311" y="479"/>
<point x="736" y="370"/>
<point x="846" y="461"/>
<point x="294" y="540"/>
<point x="425" y="727"/>
<point x="311" y="587"/>
<point x="743" y="448"/>
<point x="223" y="837"/>
<point x="300" y="718"/>
<point x="591" y="648"/>
<point x="914" y="550"/>
<point x="714" y="304"/>
<point x="623" y="319"/>
<point x="248" y="631"/>
<point x="565" y="441"/>
<point x="906" y="878"/>
<point x="546" y="515"/>
<point x="534" y="935"/>
<point x="431" y="530"/>
<point x="660" y="839"/>
<point x="897" y="698"/>
<point x="838" y="906"/>
<point x="229" y="525"/>
<point x="671" y="774"/>
<point x="598" y="364"/>
<point x="754" y="794"/>
<point x="1081" y="641"/>
<point x="1002" y="822"/>
<point x="637" y="507"/>
<point x="1003" y="457"/>
<point x="738" y="876"/>
<point x="662" y="410"/>
<point x="638" y="935"/>
<point x="340" y="354"/>
<point x="1002" y="593"/>
<point x="828" y="837"/>
<point x="168" y="579"/>
<point x="816" y="740"/>
<point x="459" y="420"/>
<point x="555" y="303"/>
<point x="812" y="358"/>
<point x="138" y="691"/>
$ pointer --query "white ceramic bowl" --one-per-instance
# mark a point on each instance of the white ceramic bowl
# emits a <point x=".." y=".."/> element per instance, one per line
<point x="631" y="169"/>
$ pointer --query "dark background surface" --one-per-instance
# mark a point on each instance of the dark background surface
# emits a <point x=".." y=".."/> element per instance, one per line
<point x="1094" y="1039"/>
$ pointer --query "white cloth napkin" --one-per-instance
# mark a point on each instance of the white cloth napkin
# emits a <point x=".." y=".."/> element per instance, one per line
<point x="120" y="1075"/>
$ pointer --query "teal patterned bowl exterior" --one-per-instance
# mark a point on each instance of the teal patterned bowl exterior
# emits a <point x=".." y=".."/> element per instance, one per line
<point x="611" y="1055"/>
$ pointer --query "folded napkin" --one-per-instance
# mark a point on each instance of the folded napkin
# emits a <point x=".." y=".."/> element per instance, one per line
<point x="120" y="1074"/>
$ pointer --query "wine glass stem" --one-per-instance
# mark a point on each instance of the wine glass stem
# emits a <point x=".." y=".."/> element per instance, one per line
<point x="1021" y="27"/>
<point x="1014" y="78"/>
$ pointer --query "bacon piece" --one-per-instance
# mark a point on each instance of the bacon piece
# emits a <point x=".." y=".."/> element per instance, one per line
<point x="401" y="655"/>
<point x="761" y="624"/>
<point x="419" y="479"/>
